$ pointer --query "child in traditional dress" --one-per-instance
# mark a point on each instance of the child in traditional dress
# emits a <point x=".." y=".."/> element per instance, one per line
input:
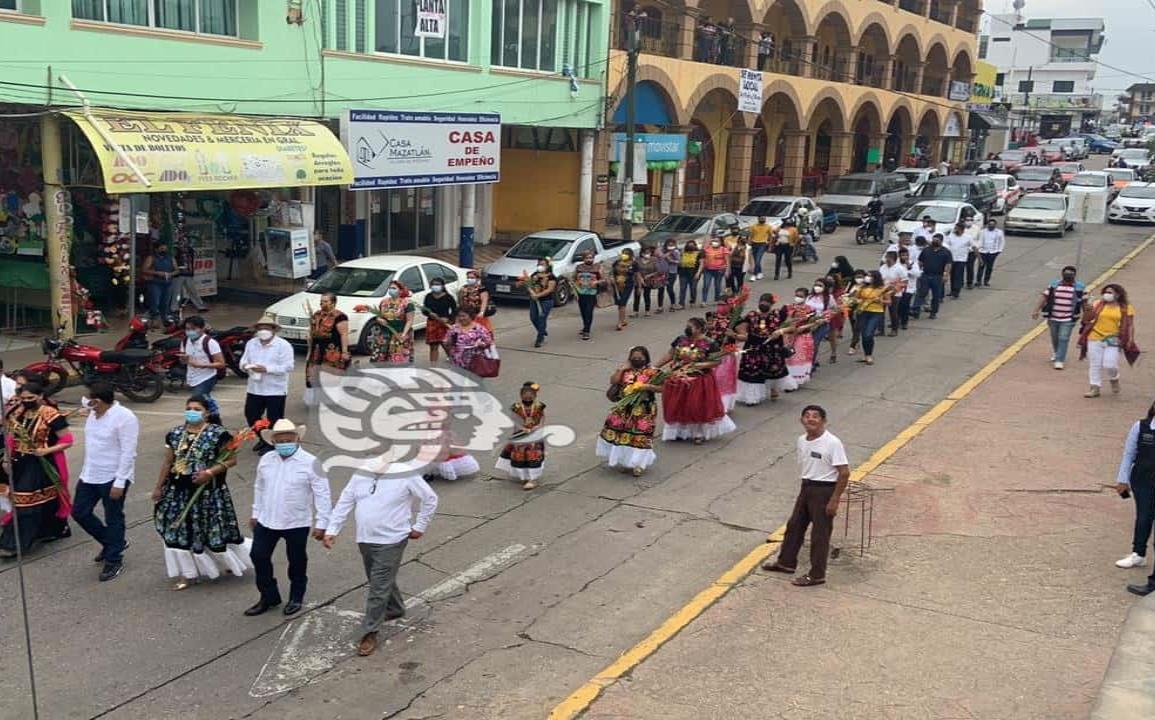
<point x="524" y="461"/>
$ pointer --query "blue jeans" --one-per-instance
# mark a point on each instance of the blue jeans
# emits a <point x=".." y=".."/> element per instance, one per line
<point x="540" y="319"/>
<point x="159" y="296"/>
<point x="205" y="390"/>
<point x="869" y="323"/>
<point x="1060" y="337"/>
<point x="671" y="278"/>
<point x="110" y="533"/>
<point x="688" y="283"/>
<point x="712" y="277"/>
<point x="759" y="250"/>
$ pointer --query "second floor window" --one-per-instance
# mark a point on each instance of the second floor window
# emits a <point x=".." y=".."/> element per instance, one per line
<point x="396" y="21"/>
<point x="1063" y="86"/>
<point x="211" y="17"/>
<point x="525" y="34"/>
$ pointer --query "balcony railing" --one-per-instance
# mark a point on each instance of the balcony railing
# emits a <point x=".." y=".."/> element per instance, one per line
<point x="1062" y="57"/>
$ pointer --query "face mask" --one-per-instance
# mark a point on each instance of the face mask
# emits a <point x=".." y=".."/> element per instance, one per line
<point x="194" y="417"/>
<point x="818" y="289"/>
<point x="392" y="292"/>
<point x="264" y="335"/>
<point x="637" y="363"/>
<point x="437" y="288"/>
<point x="715" y="244"/>
<point x="833" y="266"/>
<point x="542" y="268"/>
<point x="193" y="335"/>
<point x="286" y="449"/>
<point x="86" y="403"/>
<point x="671" y="247"/>
<point x="689" y="331"/>
<point x="30" y="404"/>
<point x="860" y="280"/>
<point x="1108" y="297"/>
<point x="798" y="299"/>
<point x="764" y="307"/>
<point x="1068" y="277"/>
<point x="470" y="281"/>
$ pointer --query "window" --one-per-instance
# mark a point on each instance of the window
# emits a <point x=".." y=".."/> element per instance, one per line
<point x="1063" y="86"/>
<point x="1026" y="86"/>
<point x="210" y="17"/>
<point x="525" y="33"/>
<point x="437" y="271"/>
<point x="984" y="41"/>
<point x="411" y="279"/>
<point x="9" y="5"/>
<point x="584" y="247"/>
<point x="1000" y="79"/>
<point x="396" y="20"/>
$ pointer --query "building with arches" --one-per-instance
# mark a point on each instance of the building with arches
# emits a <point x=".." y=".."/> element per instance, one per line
<point x="847" y="85"/>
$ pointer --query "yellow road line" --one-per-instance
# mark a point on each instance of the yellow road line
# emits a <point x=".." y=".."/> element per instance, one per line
<point x="581" y="699"/>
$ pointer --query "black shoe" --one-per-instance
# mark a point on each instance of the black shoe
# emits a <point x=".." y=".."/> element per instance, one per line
<point x="538" y="343"/>
<point x="394" y="616"/>
<point x="100" y="556"/>
<point x="110" y="571"/>
<point x="64" y="535"/>
<point x="1142" y="590"/>
<point x="261" y="608"/>
<point x="933" y="316"/>
<point x="292" y="607"/>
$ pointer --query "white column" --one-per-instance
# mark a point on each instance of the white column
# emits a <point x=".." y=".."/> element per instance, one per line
<point x="586" y="180"/>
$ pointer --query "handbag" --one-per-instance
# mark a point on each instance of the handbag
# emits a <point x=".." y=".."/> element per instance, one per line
<point x="490" y="310"/>
<point x="486" y="365"/>
<point x="614" y="392"/>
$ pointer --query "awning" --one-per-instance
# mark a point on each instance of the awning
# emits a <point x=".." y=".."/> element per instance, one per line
<point x="987" y="121"/>
<point x="179" y="151"/>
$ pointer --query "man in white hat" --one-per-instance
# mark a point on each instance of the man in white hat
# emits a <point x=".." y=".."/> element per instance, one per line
<point x="285" y="493"/>
<point x="268" y="359"/>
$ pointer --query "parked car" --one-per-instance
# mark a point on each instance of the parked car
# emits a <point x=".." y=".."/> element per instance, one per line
<point x="1121" y="177"/>
<point x="1054" y="152"/>
<point x="983" y="167"/>
<point x="978" y="190"/>
<point x="1134" y="204"/>
<point x="1039" y="213"/>
<point x="1012" y="159"/>
<point x="776" y="208"/>
<point x="1136" y="158"/>
<point x="563" y="247"/>
<point x="1099" y="145"/>
<point x="945" y="213"/>
<point x="1007" y="192"/>
<point x="1033" y="177"/>
<point x="696" y="226"/>
<point x="849" y="194"/>
<point x="1095" y="182"/>
<point x="917" y="177"/>
<point x="1069" y="169"/>
<point x="363" y="282"/>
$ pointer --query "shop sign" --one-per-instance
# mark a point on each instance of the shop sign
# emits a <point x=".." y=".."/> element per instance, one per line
<point x="422" y="149"/>
<point x="983" y="88"/>
<point x="431" y="18"/>
<point x="953" y="126"/>
<point x="959" y="91"/>
<point x="659" y="146"/>
<point x="205" y="275"/>
<point x="749" y="91"/>
<point x="178" y="151"/>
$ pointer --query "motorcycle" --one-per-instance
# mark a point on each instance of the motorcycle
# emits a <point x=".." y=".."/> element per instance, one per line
<point x="171" y="348"/>
<point x="136" y="373"/>
<point x="869" y="230"/>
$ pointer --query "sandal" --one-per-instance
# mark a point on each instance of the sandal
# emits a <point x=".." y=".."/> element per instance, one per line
<point x="183" y="584"/>
<point x="807" y="581"/>
<point x="851" y="351"/>
<point x="868" y="361"/>
<point x="529" y="485"/>
<point x="638" y="472"/>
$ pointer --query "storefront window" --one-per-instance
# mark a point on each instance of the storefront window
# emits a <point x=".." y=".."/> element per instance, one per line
<point x="8" y="5"/>
<point x="211" y="17"/>
<point x="396" y="20"/>
<point x="402" y="220"/>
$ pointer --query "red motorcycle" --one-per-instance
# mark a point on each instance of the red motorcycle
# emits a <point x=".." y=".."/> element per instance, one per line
<point x="171" y="346"/>
<point x="136" y="373"/>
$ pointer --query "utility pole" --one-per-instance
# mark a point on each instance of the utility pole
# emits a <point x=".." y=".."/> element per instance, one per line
<point x="1027" y="99"/>
<point x="632" y="20"/>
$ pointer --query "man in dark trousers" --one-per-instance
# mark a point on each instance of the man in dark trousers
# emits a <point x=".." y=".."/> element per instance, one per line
<point x="825" y="474"/>
<point x="935" y="261"/>
<point x="1136" y="477"/>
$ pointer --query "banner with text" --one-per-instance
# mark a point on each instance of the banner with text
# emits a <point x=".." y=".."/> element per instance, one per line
<point x="432" y="16"/>
<point x="750" y="91"/>
<point x="420" y="149"/>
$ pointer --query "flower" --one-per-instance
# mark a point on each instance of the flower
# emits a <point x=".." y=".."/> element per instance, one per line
<point x="227" y="453"/>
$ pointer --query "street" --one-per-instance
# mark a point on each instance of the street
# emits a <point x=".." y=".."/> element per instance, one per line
<point x="516" y="598"/>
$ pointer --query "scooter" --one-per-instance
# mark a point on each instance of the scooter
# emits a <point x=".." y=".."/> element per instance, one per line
<point x="136" y="373"/>
<point x="869" y="230"/>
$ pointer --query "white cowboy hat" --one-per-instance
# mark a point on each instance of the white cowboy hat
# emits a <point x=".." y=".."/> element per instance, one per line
<point x="284" y="425"/>
<point x="267" y="319"/>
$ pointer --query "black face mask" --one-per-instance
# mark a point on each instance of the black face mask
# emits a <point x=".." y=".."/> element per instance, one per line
<point x="764" y="307"/>
<point x="689" y="331"/>
<point x="30" y="404"/>
<point x="1069" y="277"/>
<point x="637" y="363"/>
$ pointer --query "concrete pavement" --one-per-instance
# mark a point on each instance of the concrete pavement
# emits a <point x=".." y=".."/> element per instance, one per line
<point x="535" y="592"/>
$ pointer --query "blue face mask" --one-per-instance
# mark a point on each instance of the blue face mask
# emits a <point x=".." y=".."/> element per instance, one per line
<point x="286" y="449"/>
<point x="194" y="417"/>
<point x="193" y="335"/>
<point x="392" y="292"/>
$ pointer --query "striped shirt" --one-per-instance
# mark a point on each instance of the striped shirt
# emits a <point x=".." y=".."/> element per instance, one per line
<point x="1063" y="303"/>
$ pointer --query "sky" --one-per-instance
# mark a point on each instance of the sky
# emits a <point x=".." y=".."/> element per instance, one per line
<point x="1130" y="32"/>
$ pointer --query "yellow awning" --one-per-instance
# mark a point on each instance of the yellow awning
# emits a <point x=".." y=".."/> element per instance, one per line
<point x="182" y="151"/>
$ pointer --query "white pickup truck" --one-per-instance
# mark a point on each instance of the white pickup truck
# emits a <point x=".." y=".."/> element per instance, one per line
<point x="564" y="248"/>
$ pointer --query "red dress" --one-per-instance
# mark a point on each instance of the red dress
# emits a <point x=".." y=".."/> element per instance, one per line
<point x="692" y="405"/>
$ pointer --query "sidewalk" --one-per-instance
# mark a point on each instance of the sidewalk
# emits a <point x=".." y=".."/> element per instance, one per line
<point x="990" y="590"/>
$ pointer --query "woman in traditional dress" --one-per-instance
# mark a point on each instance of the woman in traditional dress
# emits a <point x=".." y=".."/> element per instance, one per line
<point x="474" y="297"/>
<point x="802" y="319"/>
<point x="37" y="438"/>
<point x="692" y="404"/>
<point x="207" y="539"/>
<point x="524" y="461"/>
<point x="627" y="437"/>
<point x="440" y="311"/>
<point x="763" y="365"/>
<point x="391" y="335"/>
<point x="719" y="329"/>
<point x="328" y="340"/>
<point x="467" y="340"/>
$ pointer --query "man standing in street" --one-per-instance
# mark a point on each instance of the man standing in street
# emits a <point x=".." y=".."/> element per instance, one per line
<point x="269" y="361"/>
<point x="825" y="474"/>
<point x="589" y="279"/>
<point x="110" y="439"/>
<point x="935" y="260"/>
<point x="286" y="491"/>
<point x="960" y="246"/>
<point x="926" y="230"/>
<point x="760" y="233"/>
<point x="1062" y="305"/>
<point x="991" y="243"/>
<point x="383" y="507"/>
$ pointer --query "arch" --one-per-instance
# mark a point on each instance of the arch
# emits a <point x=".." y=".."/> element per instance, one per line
<point x="933" y="128"/>
<point x="874" y="20"/>
<point x="834" y="37"/>
<point x="665" y="85"/>
<point x="833" y="7"/>
<point x="964" y="72"/>
<point x="940" y="41"/>
<point x="899" y="131"/>
<point x="828" y="108"/>
<point x="723" y="84"/>
<point x="869" y="103"/>
<point x="873" y="55"/>
<point x="787" y="21"/>
<point x="908" y="32"/>
<point x="785" y="102"/>
<point x="936" y="71"/>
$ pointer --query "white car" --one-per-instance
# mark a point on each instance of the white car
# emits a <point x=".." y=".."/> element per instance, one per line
<point x="1090" y="181"/>
<point x="917" y="176"/>
<point x="363" y="282"/>
<point x="1039" y="212"/>
<point x="1008" y="192"/>
<point x="776" y="208"/>
<point x="1135" y="203"/>
<point x="945" y="213"/>
<point x="1136" y="158"/>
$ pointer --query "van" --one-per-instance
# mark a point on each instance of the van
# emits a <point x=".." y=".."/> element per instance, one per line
<point x="974" y="189"/>
<point x="848" y="195"/>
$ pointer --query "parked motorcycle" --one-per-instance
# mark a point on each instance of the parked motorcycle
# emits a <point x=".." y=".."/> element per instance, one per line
<point x="136" y="373"/>
<point x="171" y="346"/>
<point x="869" y="229"/>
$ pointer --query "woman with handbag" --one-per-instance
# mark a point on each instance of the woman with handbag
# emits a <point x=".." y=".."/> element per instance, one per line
<point x="1108" y="330"/>
<point x="627" y="436"/>
<point x="469" y="345"/>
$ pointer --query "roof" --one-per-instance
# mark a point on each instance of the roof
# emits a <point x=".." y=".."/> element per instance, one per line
<point x="377" y="261"/>
<point x="942" y="203"/>
<point x="561" y="234"/>
<point x="783" y="198"/>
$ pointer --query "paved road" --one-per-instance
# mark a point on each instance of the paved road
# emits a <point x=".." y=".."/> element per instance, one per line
<point x="521" y="596"/>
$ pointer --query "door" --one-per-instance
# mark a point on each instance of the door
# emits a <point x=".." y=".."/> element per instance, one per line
<point x="402" y="220"/>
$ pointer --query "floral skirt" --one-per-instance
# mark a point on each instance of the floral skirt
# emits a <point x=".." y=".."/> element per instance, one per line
<point x="522" y="461"/>
<point x="211" y="524"/>
<point x="802" y="361"/>
<point x="632" y="427"/>
<point x="727" y="375"/>
<point x="389" y="348"/>
<point x="435" y="332"/>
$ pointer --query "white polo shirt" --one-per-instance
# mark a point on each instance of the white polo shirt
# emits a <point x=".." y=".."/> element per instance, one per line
<point x="818" y="459"/>
<point x="195" y="349"/>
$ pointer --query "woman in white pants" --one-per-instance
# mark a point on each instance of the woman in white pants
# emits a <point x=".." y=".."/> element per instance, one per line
<point x="1108" y="331"/>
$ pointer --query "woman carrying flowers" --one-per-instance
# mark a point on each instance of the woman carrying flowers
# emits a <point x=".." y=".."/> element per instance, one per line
<point x="627" y="437"/>
<point x="525" y="461"/>
<point x="194" y="513"/>
<point x="804" y="319"/>
<point x="692" y="406"/>
<point x="624" y="278"/>
<point x="763" y="365"/>
<point x="391" y="334"/>
<point x="720" y="326"/>
<point x="328" y="340"/>
<point x="37" y="437"/>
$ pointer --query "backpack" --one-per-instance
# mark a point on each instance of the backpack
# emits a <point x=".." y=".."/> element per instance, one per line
<point x="221" y="372"/>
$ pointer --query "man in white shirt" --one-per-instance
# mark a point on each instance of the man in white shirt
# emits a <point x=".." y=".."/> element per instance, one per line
<point x="203" y="360"/>
<point x="286" y="491"/>
<point x="111" y="432"/>
<point x="269" y="361"/>
<point x="913" y="275"/>
<point x="905" y="240"/>
<point x="7" y="385"/>
<point x="925" y="231"/>
<point x="825" y="474"/>
<point x="894" y="275"/>
<point x="962" y="265"/>
<point x="383" y="507"/>
<point x="991" y="243"/>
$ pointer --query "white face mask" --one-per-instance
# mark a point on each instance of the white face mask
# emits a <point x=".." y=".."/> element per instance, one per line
<point x="860" y="281"/>
<point x="264" y="335"/>
<point x="470" y="281"/>
<point x="799" y="300"/>
<point x="1108" y="297"/>
<point x="818" y="289"/>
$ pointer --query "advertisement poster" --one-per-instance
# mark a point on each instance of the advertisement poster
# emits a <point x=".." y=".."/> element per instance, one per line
<point x="287" y="253"/>
<point x="431" y="18"/>
<point x="421" y="149"/>
<point x="750" y="91"/>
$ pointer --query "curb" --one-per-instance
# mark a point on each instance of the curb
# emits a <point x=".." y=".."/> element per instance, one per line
<point x="1128" y="689"/>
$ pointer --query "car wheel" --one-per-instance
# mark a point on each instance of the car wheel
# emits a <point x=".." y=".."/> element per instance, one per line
<point x="563" y="294"/>
<point x="363" y="343"/>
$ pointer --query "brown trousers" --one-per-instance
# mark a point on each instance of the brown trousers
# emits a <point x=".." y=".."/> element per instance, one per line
<point x="809" y="509"/>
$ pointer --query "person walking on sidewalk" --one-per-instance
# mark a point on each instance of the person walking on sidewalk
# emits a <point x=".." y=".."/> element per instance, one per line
<point x="825" y="473"/>
<point x="992" y="241"/>
<point x="784" y="243"/>
<point x="715" y="262"/>
<point x="111" y="432"/>
<point x="1062" y="305"/>
<point x="689" y="270"/>
<point x="383" y="507"/>
<point x="203" y="359"/>
<point x="962" y="264"/>
<point x="1108" y="329"/>
<point x="1136" y="476"/>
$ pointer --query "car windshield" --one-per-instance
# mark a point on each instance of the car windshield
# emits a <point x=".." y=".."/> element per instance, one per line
<point x="1035" y="173"/>
<point x="681" y="224"/>
<point x="1000" y="182"/>
<point x="1041" y="202"/>
<point x="766" y="208"/>
<point x="1068" y="167"/>
<point x="1084" y="180"/>
<point x="535" y="247"/>
<point x="1117" y="175"/>
<point x="353" y="282"/>
<point x="912" y="174"/>
<point x="938" y="213"/>
<point x="850" y="186"/>
<point x="1134" y="154"/>
<point x="943" y="190"/>
<point x="1012" y="155"/>
<point x="1146" y="192"/>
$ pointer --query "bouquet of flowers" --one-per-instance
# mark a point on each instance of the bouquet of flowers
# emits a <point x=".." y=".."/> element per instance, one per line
<point x="533" y="285"/>
<point x="227" y="453"/>
<point x="23" y="437"/>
